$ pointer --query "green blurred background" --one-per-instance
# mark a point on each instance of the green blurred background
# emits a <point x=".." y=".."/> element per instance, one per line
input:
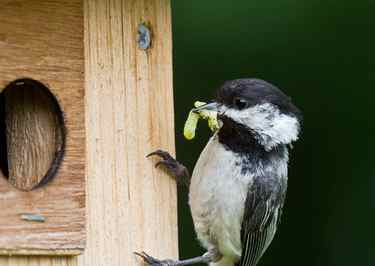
<point x="321" y="53"/>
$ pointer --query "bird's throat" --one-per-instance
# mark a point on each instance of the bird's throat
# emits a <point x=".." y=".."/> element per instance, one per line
<point x="243" y="142"/>
<point x="237" y="137"/>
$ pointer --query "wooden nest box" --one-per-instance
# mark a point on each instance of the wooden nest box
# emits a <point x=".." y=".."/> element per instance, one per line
<point x="85" y="94"/>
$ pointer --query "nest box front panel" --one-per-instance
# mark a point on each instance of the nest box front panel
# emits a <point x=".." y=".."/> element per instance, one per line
<point x="42" y="128"/>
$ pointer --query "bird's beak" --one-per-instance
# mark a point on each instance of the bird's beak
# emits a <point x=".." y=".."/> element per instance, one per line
<point x="212" y="106"/>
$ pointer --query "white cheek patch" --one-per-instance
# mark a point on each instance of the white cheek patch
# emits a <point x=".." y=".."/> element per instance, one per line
<point x="271" y="127"/>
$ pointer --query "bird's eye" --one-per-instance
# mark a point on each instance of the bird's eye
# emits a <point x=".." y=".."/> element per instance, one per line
<point x="240" y="103"/>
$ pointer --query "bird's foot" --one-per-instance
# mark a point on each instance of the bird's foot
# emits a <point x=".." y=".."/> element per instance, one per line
<point x="176" y="169"/>
<point x="151" y="261"/>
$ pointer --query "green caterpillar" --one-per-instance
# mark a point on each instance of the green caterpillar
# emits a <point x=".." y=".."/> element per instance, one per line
<point x="193" y="118"/>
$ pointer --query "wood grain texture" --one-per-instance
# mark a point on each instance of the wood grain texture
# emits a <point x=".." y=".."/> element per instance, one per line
<point x="43" y="40"/>
<point x="33" y="132"/>
<point x="129" y="112"/>
<point x="38" y="261"/>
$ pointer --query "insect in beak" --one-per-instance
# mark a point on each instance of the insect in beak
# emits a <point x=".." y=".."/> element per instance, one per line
<point x="212" y="106"/>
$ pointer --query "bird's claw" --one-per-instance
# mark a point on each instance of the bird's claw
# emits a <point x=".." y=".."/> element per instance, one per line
<point x="167" y="160"/>
<point x="170" y="163"/>
<point x="151" y="261"/>
<point x="162" y="154"/>
<point x="148" y="259"/>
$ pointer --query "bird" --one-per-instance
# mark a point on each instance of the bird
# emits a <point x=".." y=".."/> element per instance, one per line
<point x="239" y="183"/>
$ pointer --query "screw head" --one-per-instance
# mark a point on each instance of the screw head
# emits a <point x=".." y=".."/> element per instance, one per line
<point x="144" y="37"/>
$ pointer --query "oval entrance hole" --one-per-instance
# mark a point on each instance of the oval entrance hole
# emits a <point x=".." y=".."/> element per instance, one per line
<point x="32" y="134"/>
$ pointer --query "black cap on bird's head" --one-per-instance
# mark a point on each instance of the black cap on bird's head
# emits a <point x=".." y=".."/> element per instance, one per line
<point x="244" y="93"/>
<point x="260" y="108"/>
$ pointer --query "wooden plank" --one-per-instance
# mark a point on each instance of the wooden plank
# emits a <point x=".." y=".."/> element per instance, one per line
<point x="38" y="261"/>
<point x="129" y="112"/>
<point x="43" y="40"/>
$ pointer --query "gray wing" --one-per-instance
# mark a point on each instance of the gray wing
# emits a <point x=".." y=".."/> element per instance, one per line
<point x="263" y="208"/>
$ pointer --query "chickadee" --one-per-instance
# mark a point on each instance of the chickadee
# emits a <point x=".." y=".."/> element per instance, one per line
<point x="239" y="182"/>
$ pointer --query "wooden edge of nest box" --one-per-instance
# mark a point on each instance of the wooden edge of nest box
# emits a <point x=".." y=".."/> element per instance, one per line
<point x="40" y="252"/>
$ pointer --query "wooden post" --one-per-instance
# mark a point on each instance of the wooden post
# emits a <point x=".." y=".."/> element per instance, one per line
<point x="129" y="112"/>
<point x="131" y="206"/>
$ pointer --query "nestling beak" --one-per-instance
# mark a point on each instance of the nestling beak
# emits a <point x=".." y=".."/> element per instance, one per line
<point x="212" y="106"/>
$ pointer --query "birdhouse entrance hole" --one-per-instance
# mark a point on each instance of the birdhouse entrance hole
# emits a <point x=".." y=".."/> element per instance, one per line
<point x="32" y="134"/>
